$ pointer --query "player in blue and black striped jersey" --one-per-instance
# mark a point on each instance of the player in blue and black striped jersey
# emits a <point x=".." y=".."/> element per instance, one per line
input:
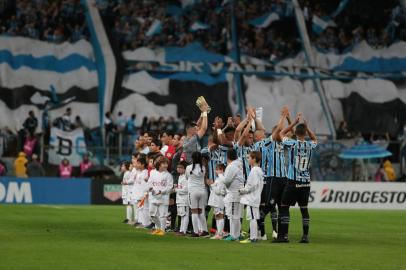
<point x="245" y="142"/>
<point x="297" y="188"/>
<point x="273" y="166"/>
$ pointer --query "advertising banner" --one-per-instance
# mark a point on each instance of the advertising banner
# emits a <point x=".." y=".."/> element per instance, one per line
<point x="358" y="195"/>
<point x="45" y="190"/>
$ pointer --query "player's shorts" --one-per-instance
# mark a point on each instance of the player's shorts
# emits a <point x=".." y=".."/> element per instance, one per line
<point x="126" y="201"/>
<point x="252" y="212"/>
<point x="234" y="210"/>
<point x="218" y="211"/>
<point x="296" y="192"/>
<point x="197" y="199"/>
<point x="266" y="191"/>
<point x="158" y="210"/>
<point x="277" y="186"/>
<point x="183" y="211"/>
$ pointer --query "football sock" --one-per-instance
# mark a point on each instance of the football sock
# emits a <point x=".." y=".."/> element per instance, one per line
<point x="129" y="212"/>
<point x="184" y="223"/>
<point x="274" y="218"/>
<point x="253" y="229"/>
<point x="305" y="220"/>
<point x="203" y="222"/>
<point x="220" y="226"/>
<point x="195" y="222"/>
<point x="285" y="219"/>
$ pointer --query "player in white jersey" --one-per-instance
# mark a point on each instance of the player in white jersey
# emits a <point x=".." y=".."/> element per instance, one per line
<point x="195" y="174"/>
<point x="234" y="181"/>
<point x="140" y="189"/>
<point x="251" y="194"/>
<point x="125" y="193"/>
<point x="160" y="185"/>
<point x="216" y="200"/>
<point x="182" y="198"/>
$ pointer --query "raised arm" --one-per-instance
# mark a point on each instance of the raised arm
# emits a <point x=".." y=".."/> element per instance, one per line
<point x="239" y="128"/>
<point x="203" y="126"/>
<point x="290" y="127"/>
<point x="244" y="134"/>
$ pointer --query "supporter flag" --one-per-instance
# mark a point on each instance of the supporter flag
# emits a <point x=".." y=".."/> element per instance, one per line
<point x="66" y="144"/>
<point x="196" y="26"/>
<point x="320" y="24"/>
<point x="189" y="3"/>
<point x="154" y="29"/>
<point x="265" y="20"/>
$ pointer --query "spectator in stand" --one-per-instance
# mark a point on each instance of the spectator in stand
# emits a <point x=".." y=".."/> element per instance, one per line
<point x="109" y="128"/>
<point x="31" y="123"/>
<point x="389" y="171"/>
<point x="30" y="145"/>
<point x="20" y="165"/>
<point x="85" y="164"/>
<point x="65" y="169"/>
<point x="343" y="132"/>
<point x="34" y="167"/>
<point x="121" y="122"/>
<point x="3" y="168"/>
<point x="132" y="125"/>
<point x="67" y="120"/>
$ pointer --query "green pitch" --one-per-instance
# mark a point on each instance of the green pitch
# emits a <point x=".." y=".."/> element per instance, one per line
<point x="93" y="237"/>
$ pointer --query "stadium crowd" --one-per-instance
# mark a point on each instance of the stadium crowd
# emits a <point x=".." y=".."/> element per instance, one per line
<point x="54" y="21"/>
<point x="131" y="24"/>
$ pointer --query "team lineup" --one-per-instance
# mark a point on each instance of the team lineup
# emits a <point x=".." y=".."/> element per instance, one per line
<point x="242" y="173"/>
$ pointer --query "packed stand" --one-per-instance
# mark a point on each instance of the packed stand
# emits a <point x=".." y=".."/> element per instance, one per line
<point x="379" y="23"/>
<point x="53" y="21"/>
<point x="208" y="22"/>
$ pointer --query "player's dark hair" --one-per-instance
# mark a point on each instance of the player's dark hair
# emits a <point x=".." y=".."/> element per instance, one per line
<point x="197" y="159"/>
<point x="135" y="155"/>
<point x="157" y="142"/>
<point x="126" y="164"/>
<point x="182" y="164"/>
<point x="142" y="158"/>
<point x="300" y="130"/>
<point x="229" y="129"/>
<point x="220" y="166"/>
<point x="232" y="154"/>
<point x="256" y="155"/>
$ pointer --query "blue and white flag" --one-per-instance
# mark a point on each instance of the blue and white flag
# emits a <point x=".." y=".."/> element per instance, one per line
<point x="154" y="29"/>
<point x="196" y="26"/>
<point x="340" y="8"/>
<point x="319" y="24"/>
<point x="189" y="3"/>
<point x="265" y="20"/>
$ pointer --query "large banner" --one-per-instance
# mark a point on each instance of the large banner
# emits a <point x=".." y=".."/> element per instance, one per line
<point x="358" y="195"/>
<point x="66" y="144"/>
<point x="45" y="190"/>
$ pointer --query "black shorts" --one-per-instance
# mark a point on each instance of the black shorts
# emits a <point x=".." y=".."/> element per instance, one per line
<point x="266" y="191"/>
<point x="296" y="192"/>
<point x="277" y="186"/>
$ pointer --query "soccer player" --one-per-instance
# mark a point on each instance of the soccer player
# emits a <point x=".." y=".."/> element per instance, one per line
<point x="245" y="144"/>
<point x="194" y="132"/>
<point x="297" y="188"/>
<point x="125" y="193"/>
<point x="234" y="181"/>
<point x="195" y="174"/>
<point x="182" y="201"/>
<point x="251" y="195"/>
<point x="160" y="185"/>
<point x="216" y="200"/>
<point x="273" y="166"/>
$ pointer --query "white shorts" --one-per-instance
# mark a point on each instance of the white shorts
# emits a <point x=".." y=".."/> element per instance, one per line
<point x="234" y="210"/>
<point x="158" y="210"/>
<point x="197" y="199"/>
<point x="126" y="201"/>
<point x="252" y="212"/>
<point x="218" y="211"/>
<point x="183" y="211"/>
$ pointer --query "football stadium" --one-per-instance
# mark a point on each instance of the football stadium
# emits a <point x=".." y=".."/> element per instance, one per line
<point x="202" y="134"/>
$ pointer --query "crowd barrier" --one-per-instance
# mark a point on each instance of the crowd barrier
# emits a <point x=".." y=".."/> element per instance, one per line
<point x="329" y="195"/>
